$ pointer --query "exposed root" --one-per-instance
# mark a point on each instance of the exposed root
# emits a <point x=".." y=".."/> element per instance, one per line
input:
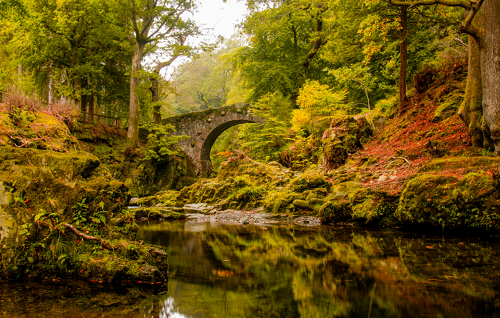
<point x="88" y="237"/>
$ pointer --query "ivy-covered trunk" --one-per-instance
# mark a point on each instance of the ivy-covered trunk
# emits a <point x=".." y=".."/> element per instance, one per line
<point x="490" y="71"/>
<point x="471" y="110"/>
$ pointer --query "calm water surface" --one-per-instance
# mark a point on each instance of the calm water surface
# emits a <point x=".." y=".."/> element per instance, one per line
<point x="282" y="271"/>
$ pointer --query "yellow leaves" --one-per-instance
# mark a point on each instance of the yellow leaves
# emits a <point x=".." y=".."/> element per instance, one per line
<point x="301" y="118"/>
<point x="315" y="95"/>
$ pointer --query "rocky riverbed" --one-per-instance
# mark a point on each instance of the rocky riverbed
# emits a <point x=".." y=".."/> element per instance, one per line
<point x="202" y="212"/>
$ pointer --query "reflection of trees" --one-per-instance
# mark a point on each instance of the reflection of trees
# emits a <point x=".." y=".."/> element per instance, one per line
<point x="284" y="271"/>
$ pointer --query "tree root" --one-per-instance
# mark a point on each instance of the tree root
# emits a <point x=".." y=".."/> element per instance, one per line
<point x="88" y="237"/>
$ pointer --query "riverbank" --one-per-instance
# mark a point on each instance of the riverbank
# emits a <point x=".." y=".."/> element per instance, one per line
<point x="62" y="215"/>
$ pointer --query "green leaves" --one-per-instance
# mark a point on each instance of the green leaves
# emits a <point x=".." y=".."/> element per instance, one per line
<point x="25" y="229"/>
<point x="161" y="143"/>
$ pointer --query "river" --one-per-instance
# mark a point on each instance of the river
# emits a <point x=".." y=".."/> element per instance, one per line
<point x="265" y="270"/>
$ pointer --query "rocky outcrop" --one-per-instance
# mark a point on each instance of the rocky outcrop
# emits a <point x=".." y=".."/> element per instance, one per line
<point x="62" y="215"/>
<point x="343" y="138"/>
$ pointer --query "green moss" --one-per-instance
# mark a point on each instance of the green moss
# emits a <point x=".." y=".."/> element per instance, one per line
<point x="460" y="163"/>
<point x="344" y="137"/>
<point x="309" y="180"/>
<point x="44" y="195"/>
<point x="156" y="213"/>
<point x="450" y="202"/>
<point x="35" y="130"/>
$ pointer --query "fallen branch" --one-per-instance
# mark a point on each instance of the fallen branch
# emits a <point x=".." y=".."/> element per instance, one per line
<point x="88" y="237"/>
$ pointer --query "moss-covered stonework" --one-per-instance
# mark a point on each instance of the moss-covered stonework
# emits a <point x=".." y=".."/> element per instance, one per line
<point x="204" y="127"/>
<point x="61" y="215"/>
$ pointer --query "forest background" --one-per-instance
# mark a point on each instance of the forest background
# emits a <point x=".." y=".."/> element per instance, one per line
<point x="298" y="62"/>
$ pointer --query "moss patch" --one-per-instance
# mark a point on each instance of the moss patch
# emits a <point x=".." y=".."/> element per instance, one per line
<point x="451" y="202"/>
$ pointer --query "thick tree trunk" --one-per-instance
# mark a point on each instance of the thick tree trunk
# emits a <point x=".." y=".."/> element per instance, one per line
<point x="471" y="110"/>
<point x="133" y="116"/>
<point x="490" y="72"/>
<point x="403" y="52"/>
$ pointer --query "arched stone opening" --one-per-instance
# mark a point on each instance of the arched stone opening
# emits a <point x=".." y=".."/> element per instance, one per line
<point x="206" y="162"/>
<point x="203" y="128"/>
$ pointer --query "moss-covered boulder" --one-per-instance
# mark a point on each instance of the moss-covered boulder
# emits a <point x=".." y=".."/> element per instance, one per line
<point x="160" y="213"/>
<point x="311" y="179"/>
<point x="163" y="198"/>
<point x="342" y="138"/>
<point x="351" y="202"/>
<point x="448" y="201"/>
<point x="61" y="212"/>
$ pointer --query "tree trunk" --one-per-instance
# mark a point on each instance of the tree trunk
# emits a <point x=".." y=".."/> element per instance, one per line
<point x="403" y="52"/>
<point x="155" y="97"/>
<point x="92" y="109"/>
<point x="133" y="116"/>
<point x="49" y="98"/>
<point x="471" y="110"/>
<point x="490" y="73"/>
<point x="77" y="87"/>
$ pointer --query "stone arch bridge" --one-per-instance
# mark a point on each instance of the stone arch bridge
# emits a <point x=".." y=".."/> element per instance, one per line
<point x="203" y="129"/>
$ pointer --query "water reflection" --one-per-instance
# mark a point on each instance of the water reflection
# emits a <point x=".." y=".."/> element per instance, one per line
<point x="282" y="271"/>
<point x="277" y="271"/>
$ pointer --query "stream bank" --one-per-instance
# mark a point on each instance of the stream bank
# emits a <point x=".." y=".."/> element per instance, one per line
<point x="62" y="215"/>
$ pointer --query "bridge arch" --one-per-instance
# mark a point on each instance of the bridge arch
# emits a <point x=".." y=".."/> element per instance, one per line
<point x="203" y="129"/>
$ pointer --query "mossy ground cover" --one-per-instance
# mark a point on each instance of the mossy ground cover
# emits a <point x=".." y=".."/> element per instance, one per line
<point x="62" y="217"/>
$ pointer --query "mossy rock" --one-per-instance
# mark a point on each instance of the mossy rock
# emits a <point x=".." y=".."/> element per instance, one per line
<point x="68" y="166"/>
<point x="353" y="203"/>
<point x="345" y="190"/>
<point x="344" y="137"/>
<point x="444" y="201"/>
<point x="157" y="213"/>
<point x="70" y="216"/>
<point x="369" y="206"/>
<point x="308" y="181"/>
<point x="164" y="198"/>
<point x="35" y="130"/>
<point x="467" y="164"/>
<point x="445" y="111"/>
<point x="301" y="204"/>
<point x="334" y="211"/>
